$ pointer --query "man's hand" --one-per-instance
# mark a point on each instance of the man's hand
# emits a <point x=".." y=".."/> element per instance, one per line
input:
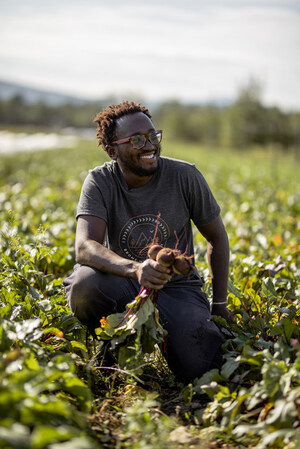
<point x="151" y="274"/>
<point x="222" y="311"/>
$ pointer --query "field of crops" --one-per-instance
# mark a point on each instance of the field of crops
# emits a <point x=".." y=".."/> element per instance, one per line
<point x="53" y="395"/>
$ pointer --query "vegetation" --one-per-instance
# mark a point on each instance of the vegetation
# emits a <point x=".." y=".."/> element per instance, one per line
<point x="55" y="393"/>
<point x="244" y="123"/>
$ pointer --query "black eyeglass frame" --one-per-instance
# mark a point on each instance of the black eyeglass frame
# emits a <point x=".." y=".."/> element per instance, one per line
<point x="145" y="135"/>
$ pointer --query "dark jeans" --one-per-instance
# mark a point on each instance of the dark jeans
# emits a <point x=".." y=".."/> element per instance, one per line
<point x="193" y="341"/>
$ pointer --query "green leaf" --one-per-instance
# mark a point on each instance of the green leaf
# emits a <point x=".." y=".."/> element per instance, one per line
<point x="133" y="332"/>
<point x="79" y="345"/>
<point x="268" y="290"/>
<point x="143" y="314"/>
<point x="229" y="367"/>
<point x="78" y="389"/>
<point x="76" y="443"/>
<point x="17" y="436"/>
<point x="286" y="328"/>
<point x="234" y="290"/>
<point x="16" y="312"/>
<point x="32" y="363"/>
<point x="272" y="373"/>
<point x="129" y="357"/>
<point x="280" y="435"/>
<point x="27" y="327"/>
<point x="34" y="293"/>
<point x="44" y="435"/>
<point x="209" y="376"/>
<point x="44" y="305"/>
<point x="283" y="414"/>
<point x="5" y="312"/>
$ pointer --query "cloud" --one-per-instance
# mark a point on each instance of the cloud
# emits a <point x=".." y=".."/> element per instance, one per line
<point x="192" y="50"/>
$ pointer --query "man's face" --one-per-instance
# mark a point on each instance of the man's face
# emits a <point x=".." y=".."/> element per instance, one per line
<point x="141" y="162"/>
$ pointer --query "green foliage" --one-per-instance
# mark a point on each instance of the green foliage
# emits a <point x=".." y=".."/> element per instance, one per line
<point x="42" y="398"/>
<point x="135" y="332"/>
<point x="16" y="111"/>
<point x="255" y="398"/>
<point x="145" y="427"/>
<point x="246" y="122"/>
<point x="46" y="396"/>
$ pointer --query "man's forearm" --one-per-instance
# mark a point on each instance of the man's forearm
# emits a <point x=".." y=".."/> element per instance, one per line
<point x="218" y="261"/>
<point x="150" y="274"/>
<point x="95" y="255"/>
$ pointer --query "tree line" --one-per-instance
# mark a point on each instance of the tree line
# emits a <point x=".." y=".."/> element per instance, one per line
<point x="246" y="122"/>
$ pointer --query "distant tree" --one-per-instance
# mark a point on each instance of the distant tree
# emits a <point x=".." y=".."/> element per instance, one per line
<point x="171" y="117"/>
<point x="245" y="122"/>
<point x="14" y="111"/>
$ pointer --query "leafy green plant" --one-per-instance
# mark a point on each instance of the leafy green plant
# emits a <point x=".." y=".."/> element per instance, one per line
<point x="146" y="426"/>
<point x="49" y="390"/>
<point x="255" y="397"/>
<point x="134" y="332"/>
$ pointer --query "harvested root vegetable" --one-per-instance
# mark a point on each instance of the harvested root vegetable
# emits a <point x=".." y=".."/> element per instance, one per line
<point x="171" y="258"/>
<point x="182" y="265"/>
<point x="165" y="257"/>
<point x="153" y="251"/>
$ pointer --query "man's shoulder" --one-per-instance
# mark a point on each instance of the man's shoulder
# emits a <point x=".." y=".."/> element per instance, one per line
<point x="107" y="167"/>
<point x="172" y="163"/>
<point x="101" y="176"/>
<point x="104" y="171"/>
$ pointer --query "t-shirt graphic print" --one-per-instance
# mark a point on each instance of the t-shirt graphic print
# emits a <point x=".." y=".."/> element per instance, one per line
<point x="138" y="234"/>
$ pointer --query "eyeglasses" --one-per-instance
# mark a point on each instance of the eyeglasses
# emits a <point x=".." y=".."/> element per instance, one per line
<point x="139" y="140"/>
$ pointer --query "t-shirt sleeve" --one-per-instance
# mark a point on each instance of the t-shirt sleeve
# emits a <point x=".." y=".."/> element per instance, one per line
<point x="203" y="207"/>
<point x="91" y="200"/>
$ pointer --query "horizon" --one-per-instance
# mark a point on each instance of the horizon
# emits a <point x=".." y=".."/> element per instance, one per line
<point x="43" y="92"/>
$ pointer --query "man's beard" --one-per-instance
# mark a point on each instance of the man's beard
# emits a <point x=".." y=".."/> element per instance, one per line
<point x="137" y="169"/>
<point x="141" y="171"/>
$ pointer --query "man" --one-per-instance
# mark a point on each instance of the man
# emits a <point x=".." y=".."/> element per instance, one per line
<point x="124" y="205"/>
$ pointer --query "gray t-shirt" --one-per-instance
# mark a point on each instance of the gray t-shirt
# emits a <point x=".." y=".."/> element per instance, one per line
<point x="161" y="210"/>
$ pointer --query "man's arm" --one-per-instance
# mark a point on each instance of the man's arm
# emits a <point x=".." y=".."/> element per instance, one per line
<point x="90" y="251"/>
<point x="218" y="261"/>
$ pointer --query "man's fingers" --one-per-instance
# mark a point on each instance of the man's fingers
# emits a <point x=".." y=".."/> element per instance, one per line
<point x="153" y="284"/>
<point x="222" y="312"/>
<point x="157" y="271"/>
<point x="156" y="281"/>
<point x="152" y="275"/>
<point x="159" y="279"/>
<point x="157" y="267"/>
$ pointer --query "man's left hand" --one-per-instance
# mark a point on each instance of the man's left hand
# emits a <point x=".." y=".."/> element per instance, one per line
<point x="221" y="310"/>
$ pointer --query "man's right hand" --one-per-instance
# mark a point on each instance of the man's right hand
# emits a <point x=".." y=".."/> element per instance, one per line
<point x="151" y="274"/>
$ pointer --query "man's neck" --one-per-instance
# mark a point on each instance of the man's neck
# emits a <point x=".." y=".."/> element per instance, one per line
<point x="134" y="181"/>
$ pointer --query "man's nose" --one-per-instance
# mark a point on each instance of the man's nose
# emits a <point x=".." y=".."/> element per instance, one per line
<point x="148" y="145"/>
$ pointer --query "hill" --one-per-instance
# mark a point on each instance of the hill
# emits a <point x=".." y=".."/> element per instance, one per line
<point x="31" y="95"/>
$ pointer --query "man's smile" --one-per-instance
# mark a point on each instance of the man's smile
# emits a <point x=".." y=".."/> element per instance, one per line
<point x="149" y="155"/>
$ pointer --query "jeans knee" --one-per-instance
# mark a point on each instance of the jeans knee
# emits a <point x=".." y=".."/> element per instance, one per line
<point x="85" y="297"/>
<point x="81" y="290"/>
<point x="196" y="351"/>
<point x="79" y="297"/>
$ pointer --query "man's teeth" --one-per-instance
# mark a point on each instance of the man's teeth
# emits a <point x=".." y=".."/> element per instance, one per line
<point x="148" y="156"/>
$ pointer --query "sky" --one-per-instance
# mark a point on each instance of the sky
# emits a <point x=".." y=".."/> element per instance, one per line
<point x="189" y="50"/>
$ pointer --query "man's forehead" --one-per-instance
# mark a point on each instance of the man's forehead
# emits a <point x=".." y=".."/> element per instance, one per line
<point x="133" y="123"/>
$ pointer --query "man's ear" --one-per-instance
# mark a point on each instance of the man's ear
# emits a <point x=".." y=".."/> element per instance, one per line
<point x="111" y="151"/>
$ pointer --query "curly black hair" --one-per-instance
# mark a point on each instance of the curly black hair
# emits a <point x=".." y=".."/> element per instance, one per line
<point x="106" y="120"/>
